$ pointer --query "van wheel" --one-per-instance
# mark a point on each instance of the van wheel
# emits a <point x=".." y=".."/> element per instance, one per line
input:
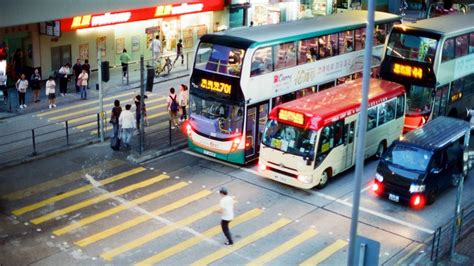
<point x="324" y="179"/>
<point x="432" y="196"/>
<point x="380" y="150"/>
<point x="455" y="180"/>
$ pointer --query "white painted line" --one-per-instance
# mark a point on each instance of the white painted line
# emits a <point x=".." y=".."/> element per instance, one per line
<point x="326" y="196"/>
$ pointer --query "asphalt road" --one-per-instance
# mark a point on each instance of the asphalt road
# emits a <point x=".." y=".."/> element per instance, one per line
<point x="91" y="207"/>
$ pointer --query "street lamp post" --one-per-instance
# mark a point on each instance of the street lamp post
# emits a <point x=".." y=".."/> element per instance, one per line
<point x="101" y="103"/>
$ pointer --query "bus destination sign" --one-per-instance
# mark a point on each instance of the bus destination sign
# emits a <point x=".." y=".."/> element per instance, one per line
<point x="290" y="116"/>
<point x="407" y="71"/>
<point x="216" y="86"/>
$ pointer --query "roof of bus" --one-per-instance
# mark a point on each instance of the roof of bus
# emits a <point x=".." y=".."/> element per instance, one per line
<point x="325" y="107"/>
<point x="303" y="28"/>
<point x="443" y="25"/>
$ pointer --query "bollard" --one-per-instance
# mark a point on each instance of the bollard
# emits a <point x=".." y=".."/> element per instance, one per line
<point x="34" y="153"/>
<point x="97" y="86"/>
<point x="169" y="131"/>
<point x="98" y="125"/>
<point x="67" y="132"/>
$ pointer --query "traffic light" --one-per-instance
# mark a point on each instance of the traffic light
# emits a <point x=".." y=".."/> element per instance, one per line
<point x="104" y="66"/>
<point x="150" y="76"/>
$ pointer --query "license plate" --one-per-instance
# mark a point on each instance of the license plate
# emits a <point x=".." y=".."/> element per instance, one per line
<point x="281" y="178"/>
<point x="210" y="153"/>
<point x="393" y="197"/>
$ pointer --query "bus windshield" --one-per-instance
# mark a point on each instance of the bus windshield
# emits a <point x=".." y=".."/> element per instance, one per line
<point x="290" y="139"/>
<point x="411" y="47"/>
<point x="219" y="59"/>
<point x="408" y="157"/>
<point x="215" y="118"/>
<point x="419" y="100"/>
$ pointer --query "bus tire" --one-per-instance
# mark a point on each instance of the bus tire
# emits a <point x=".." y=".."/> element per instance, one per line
<point x="380" y="149"/>
<point x="324" y="179"/>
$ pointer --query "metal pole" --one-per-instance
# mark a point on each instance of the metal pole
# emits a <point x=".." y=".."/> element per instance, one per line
<point x="456" y="218"/>
<point x="169" y="131"/>
<point x="362" y="127"/>
<point x="128" y="67"/>
<point x="101" y="98"/>
<point x="142" y="101"/>
<point x="67" y="132"/>
<point x="98" y="125"/>
<point x="34" y="153"/>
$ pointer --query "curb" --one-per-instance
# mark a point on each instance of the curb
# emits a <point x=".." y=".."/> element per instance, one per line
<point x="138" y="159"/>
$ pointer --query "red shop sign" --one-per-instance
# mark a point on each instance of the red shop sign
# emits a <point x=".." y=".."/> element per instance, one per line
<point x="113" y="18"/>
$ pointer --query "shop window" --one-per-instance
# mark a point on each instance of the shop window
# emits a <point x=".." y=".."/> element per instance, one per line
<point x="328" y="45"/>
<point x="471" y="42"/>
<point x="371" y="118"/>
<point x="262" y="61"/>
<point x="331" y="136"/>
<point x="448" y="50"/>
<point x="359" y="39"/>
<point x="307" y="51"/>
<point x="346" y="41"/>
<point x="461" y="45"/>
<point x="285" y="55"/>
<point x="400" y="106"/>
<point x="380" y="33"/>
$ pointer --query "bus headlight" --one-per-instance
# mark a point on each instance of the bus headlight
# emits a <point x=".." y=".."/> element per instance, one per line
<point x="262" y="166"/>
<point x="417" y="188"/>
<point x="379" y="177"/>
<point x="305" y="179"/>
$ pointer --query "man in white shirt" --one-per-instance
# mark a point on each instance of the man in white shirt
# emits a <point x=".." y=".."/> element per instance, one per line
<point x="227" y="214"/>
<point x="155" y="48"/>
<point x="127" y="124"/>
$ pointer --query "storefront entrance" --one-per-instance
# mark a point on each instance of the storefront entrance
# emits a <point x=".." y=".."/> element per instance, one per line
<point x="60" y="56"/>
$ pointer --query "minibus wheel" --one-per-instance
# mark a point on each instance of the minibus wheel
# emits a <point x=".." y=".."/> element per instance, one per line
<point x="324" y="178"/>
<point x="380" y="150"/>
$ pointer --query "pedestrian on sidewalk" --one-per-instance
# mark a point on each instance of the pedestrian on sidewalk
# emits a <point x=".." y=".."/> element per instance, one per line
<point x="183" y="101"/>
<point x="63" y="78"/>
<point x="179" y="52"/>
<point x="124" y="59"/>
<point x="87" y="67"/>
<point x="137" y="101"/>
<point x="82" y="81"/>
<point x="21" y="86"/>
<point x="77" y="69"/>
<point x="127" y="125"/>
<point x="114" y="118"/>
<point x="226" y="210"/>
<point x="173" y="108"/>
<point x="155" y="48"/>
<point x="35" y="85"/>
<point x="3" y="86"/>
<point x="51" y="92"/>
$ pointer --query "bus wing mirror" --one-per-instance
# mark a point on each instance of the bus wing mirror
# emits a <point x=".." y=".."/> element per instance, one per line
<point x="435" y="170"/>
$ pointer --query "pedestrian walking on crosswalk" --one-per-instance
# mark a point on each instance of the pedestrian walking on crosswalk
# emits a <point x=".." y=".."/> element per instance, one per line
<point x="127" y="124"/>
<point x="226" y="210"/>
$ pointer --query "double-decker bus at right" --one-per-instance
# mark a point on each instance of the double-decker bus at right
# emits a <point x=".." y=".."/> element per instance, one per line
<point x="434" y="60"/>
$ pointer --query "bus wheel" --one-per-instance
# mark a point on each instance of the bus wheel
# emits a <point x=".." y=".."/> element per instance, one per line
<point x="380" y="150"/>
<point x="324" y="178"/>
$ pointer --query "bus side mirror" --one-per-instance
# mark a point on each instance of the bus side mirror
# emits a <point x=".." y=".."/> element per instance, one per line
<point x="435" y="170"/>
<point x="309" y="158"/>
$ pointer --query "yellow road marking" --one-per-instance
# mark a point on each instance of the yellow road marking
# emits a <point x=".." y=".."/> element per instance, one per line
<point x="76" y="191"/>
<point x="96" y="109"/>
<point x="117" y="209"/>
<point x="60" y="110"/>
<point x="57" y="182"/>
<point x="157" y="115"/>
<point x="325" y="253"/>
<point x="242" y="243"/>
<point x="141" y="219"/>
<point x="283" y="248"/>
<point x="98" y="199"/>
<point x="195" y="240"/>
<point x="158" y="233"/>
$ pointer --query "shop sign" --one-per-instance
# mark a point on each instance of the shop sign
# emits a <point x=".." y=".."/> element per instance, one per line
<point x="109" y="18"/>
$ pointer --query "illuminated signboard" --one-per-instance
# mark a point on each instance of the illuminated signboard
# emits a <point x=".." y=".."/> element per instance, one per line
<point x="113" y="18"/>
<point x="216" y="86"/>
<point x="408" y="71"/>
<point x="291" y="116"/>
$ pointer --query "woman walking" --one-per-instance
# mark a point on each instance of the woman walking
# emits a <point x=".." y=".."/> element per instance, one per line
<point x="35" y="85"/>
<point x="183" y="101"/>
<point x="82" y="82"/>
<point x="114" y="118"/>
<point x="63" y="77"/>
<point x="21" y="86"/>
<point x="51" y="91"/>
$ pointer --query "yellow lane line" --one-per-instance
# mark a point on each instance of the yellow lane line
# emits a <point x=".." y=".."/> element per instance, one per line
<point x="60" y="110"/>
<point x="157" y="115"/>
<point x="283" y="248"/>
<point x="96" y="109"/>
<point x="141" y="219"/>
<point x="197" y="239"/>
<point x="242" y="243"/>
<point x="119" y="208"/>
<point x="325" y="253"/>
<point x="76" y="191"/>
<point x="61" y="181"/>
<point x="98" y="199"/>
<point x="158" y="233"/>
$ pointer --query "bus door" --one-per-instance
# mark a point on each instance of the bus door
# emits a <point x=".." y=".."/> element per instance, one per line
<point x="255" y="124"/>
<point x="349" y="135"/>
<point x="441" y="101"/>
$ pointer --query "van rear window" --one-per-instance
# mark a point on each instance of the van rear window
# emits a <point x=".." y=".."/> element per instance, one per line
<point x="408" y="157"/>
